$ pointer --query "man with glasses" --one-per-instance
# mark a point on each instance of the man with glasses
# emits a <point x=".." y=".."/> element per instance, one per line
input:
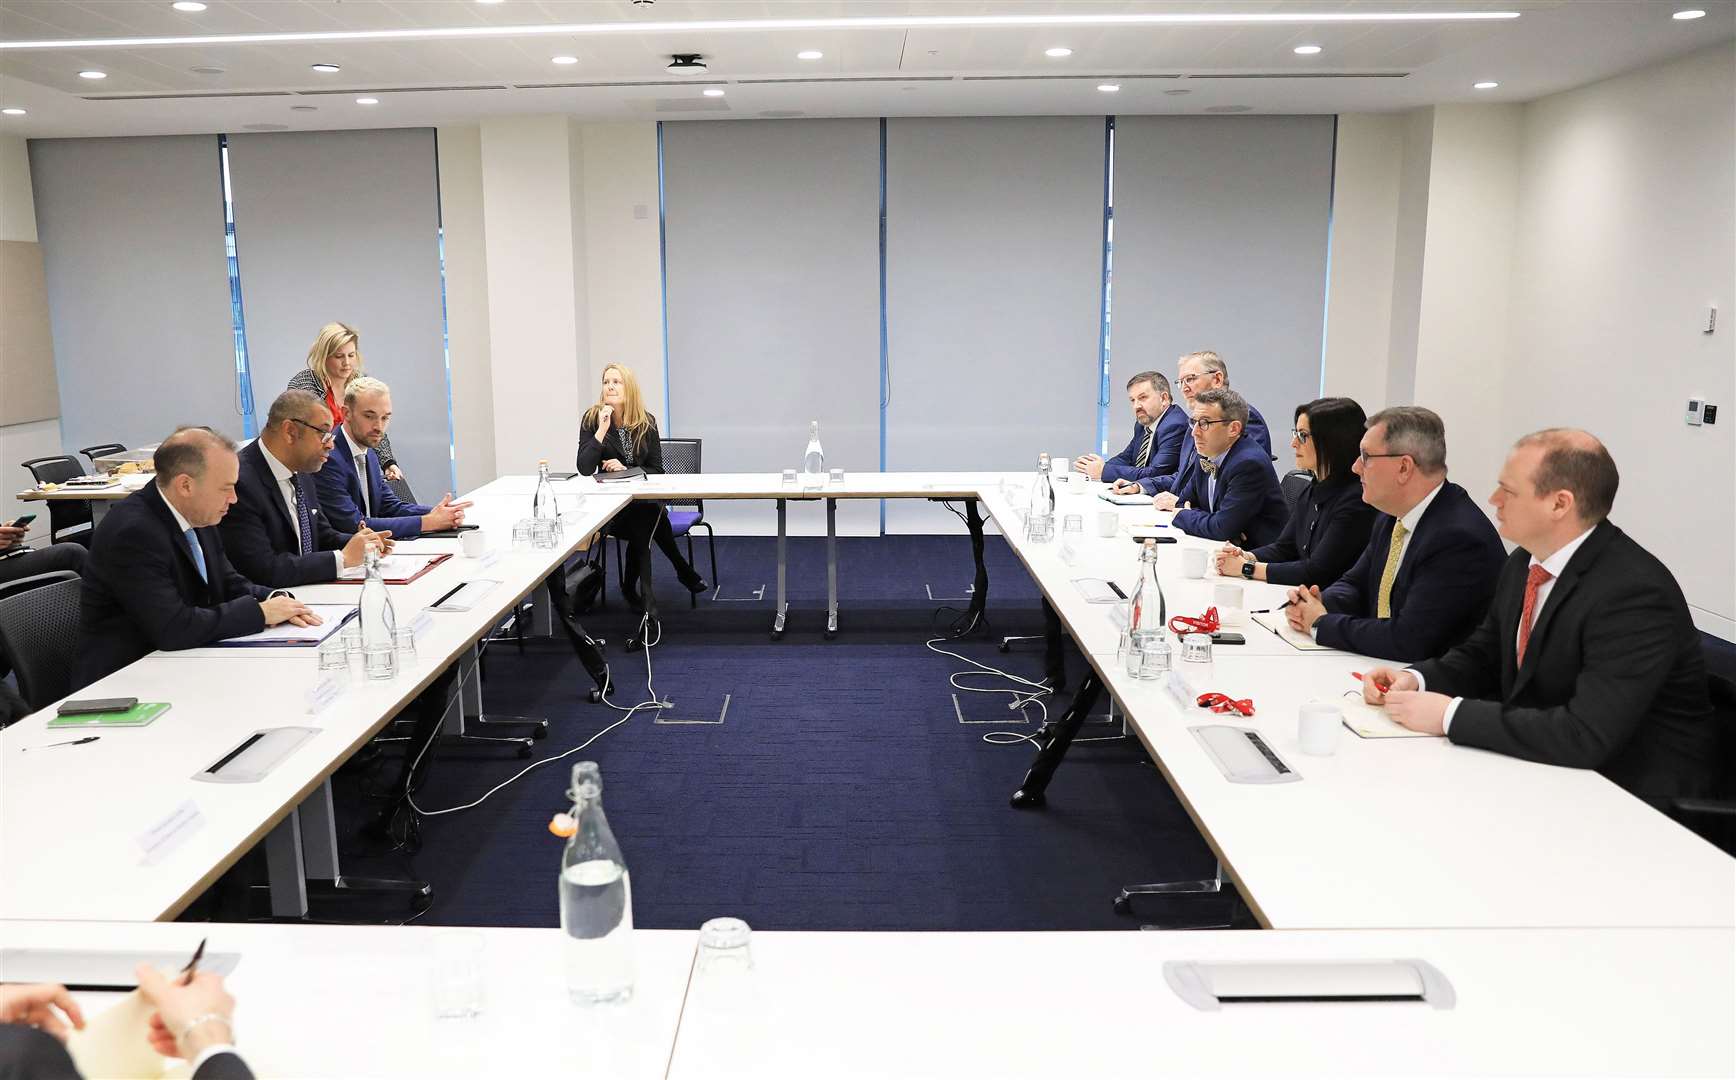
<point x="275" y="534"/>
<point x="1159" y="429"/>
<point x="1196" y="373"/>
<point x="1232" y="492"/>
<point x="1428" y="573"/>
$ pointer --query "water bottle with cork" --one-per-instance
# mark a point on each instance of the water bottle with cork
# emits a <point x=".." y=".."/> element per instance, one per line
<point x="379" y="622"/>
<point x="596" y="897"/>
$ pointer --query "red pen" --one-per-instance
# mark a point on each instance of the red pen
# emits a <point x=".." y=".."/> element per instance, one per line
<point x="1382" y="687"/>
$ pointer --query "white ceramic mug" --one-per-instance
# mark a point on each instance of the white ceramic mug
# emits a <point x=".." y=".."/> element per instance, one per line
<point x="475" y="543"/>
<point x="1108" y="523"/>
<point x="1317" y="728"/>
<point x="1227" y="598"/>
<point x="1193" y="562"/>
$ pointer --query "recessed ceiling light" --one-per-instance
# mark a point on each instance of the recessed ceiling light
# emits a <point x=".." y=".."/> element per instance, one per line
<point x="304" y="108"/>
<point x="563" y="59"/>
<point x="1690" y="13"/>
<point x="12" y="112"/>
<point x="1177" y="93"/>
<point x="188" y="5"/>
<point x="1229" y="108"/>
<point x="1306" y="50"/>
<point x="367" y="101"/>
<point x="1057" y="52"/>
<point x="1484" y="85"/>
<point x="702" y="26"/>
<point x="327" y="69"/>
<point x="489" y="1"/>
<point x="1108" y="87"/>
<point x="93" y="74"/>
<point x="713" y="91"/>
<point x="809" y="54"/>
<point x="206" y="69"/>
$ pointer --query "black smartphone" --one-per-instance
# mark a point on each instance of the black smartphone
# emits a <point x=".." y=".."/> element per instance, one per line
<point x="1228" y="637"/>
<point x="1159" y="539"/>
<point x="96" y="705"/>
<point x="23" y="520"/>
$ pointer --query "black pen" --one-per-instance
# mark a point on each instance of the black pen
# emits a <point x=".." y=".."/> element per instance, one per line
<point x="1116" y="589"/>
<point x="72" y="742"/>
<point x="449" y="595"/>
<point x="1268" y="611"/>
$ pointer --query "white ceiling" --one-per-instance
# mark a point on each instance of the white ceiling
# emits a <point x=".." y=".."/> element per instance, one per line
<point x="928" y="71"/>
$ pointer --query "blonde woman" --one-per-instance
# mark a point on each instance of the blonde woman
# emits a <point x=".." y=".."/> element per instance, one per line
<point x="617" y="433"/>
<point x="332" y="361"/>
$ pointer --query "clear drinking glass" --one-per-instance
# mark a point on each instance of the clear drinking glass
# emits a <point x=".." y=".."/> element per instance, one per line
<point x="723" y="947"/>
<point x="380" y="662"/>
<point x="522" y="535"/>
<point x="1073" y="527"/>
<point x="1154" y="657"/>
<point x="352" y="635"/>
<point x="457" y="980"/>
<point x="334" y="657"/>
<point x="405" y="637"/>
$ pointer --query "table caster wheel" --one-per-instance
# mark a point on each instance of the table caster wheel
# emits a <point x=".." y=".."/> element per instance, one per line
<point x="1123" y="905"/>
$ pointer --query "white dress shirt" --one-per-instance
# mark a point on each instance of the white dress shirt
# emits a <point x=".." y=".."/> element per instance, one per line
<point x="1555" y="564"/>
<point x="286" y="490"/>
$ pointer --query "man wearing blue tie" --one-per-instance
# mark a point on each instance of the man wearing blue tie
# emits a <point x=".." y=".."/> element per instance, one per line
<point x="1159" y="428"/>
<point x="1232" y="492"/>
<point x="158" y="578"/>
<point x="352" y="489"/>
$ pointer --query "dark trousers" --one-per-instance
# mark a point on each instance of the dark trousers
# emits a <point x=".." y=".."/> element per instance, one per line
<point x="44" y="561"/>
<point x="640" y="524"/>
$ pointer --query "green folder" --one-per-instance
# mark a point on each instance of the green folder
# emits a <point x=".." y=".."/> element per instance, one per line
<point x="137" y="716"/>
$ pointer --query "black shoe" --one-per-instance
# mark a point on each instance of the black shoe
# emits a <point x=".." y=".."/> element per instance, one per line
<point x="695" y="584"/>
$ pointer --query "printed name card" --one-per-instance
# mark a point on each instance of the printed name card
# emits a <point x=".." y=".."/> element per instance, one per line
<point x="170" y="833"/>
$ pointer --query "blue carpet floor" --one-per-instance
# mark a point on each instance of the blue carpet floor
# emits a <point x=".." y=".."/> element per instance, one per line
<point x="840" y="793"/>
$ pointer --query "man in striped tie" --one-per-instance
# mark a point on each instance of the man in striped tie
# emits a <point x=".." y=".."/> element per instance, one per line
<point x="1588" y="657"/>
<point x="1159" y="428"/>
<point x="1425" y="579"/>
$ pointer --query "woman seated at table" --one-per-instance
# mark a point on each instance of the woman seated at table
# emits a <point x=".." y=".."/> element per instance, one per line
<point x="1329" y="524"/>
<point x="334" y="359"/>
<point x="616" y="434"/>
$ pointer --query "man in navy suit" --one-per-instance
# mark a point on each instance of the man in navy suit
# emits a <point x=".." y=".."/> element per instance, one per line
<point x="1428" y="573"/>
<point x="353" y="491"/>
<point x="158" y="578"/>
<point x="1588" y="657"/>
<point x="1159" y="429"/>
<point x="1196" y="373"/>
<point x="1232" y="491"/>
<point x="276" y="534"/>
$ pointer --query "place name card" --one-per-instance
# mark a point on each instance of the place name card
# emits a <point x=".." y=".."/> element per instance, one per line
<point x="170" y="833"/>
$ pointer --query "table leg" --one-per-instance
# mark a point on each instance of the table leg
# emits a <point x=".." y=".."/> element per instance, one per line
<point x="99" y="508"/>
<point x="1059" y="737"/>
<point x="283" y="867"/>
<point x="831" y="568"/>
<point x="979" y="597"/>
<point x="783" y="609"/>
<point x="1054" y="646"/>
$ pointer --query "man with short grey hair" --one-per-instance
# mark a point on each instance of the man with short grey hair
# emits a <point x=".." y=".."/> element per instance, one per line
<point x="1426" y="577"/>
<point x="1197" y="372"/>
<point x="158" y="577"/>
<point x="1159" y="427"/>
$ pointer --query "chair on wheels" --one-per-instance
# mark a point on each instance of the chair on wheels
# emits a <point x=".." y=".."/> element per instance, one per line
<point x="1714" y="817"/>
<point x="101" y="450"/>
<point x="39" y="618"/>
<point x="681" y="457"/>
<point x="67" y="519"/>
<point x="1294" y="483"/>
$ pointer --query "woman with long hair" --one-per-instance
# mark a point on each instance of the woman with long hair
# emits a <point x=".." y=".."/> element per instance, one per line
<point x="333" y="360"/>
<point x="615" y="434"/>
<point x="1329" y="524"/>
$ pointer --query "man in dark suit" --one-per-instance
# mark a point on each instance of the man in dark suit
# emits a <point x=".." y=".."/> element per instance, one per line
<point x="158" y="577"/>
<point x="352" y="489"/>
<point x="276" y="534"/>
<point x="1588" y="657"/>
<point x="1196" y="373"/>
<point x="1232" y="493"/>
<point x="1425" y="579"/>
<point x="1159" y="429"/>
<point x="192" y="1022"/>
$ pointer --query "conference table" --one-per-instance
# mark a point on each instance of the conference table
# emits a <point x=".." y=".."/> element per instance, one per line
<point x="1552" y="885"/>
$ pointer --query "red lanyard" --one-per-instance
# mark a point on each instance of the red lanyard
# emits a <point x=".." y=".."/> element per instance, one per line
<point x="1208" y="623"/>
<point x="1224" y="703"/>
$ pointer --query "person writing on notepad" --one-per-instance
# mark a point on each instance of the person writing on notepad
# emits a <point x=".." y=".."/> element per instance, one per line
<point x="352" y="489"/>
<point x="1588" y="656"/>
<point x="276" y="534"/>
<point x="158" y="576"/>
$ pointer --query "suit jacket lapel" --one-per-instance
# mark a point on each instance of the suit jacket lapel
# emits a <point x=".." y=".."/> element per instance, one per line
<point x="273" y="493"/>
<point x="1558" y="594"/>
<point x="176" y="539"/>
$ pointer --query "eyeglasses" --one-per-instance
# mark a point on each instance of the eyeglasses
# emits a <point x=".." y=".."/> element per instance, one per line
<point x="1189" y="380"/>
<point x="1301" y="436"/>
<point x="1200" y="423"/>
<point x="1365" y="457"/>
<point x="328" y="436"/>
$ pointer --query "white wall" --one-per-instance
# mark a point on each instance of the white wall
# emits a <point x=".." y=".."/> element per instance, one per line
<point x="1365" y="187"/>
<point x="1626" y="233"/>
<point x="41" y="438"/>
<point x="623" y="272"/>
<point x="467" y="327"/>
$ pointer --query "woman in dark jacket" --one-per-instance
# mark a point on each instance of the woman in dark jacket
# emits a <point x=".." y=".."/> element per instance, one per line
<point x="1330" y="524"/>
<point x="617" y="433"/>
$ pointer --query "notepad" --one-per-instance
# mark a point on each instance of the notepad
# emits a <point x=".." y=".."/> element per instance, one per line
<point x="137" y="716"/>
<point x="288" y="634"/>
<point x="1098" y="591"/>
<point x="397" y="568"/>
<point x="1372" y="722"/>
<point x="1278" y="624"/>
<point x="1131" y="499"/>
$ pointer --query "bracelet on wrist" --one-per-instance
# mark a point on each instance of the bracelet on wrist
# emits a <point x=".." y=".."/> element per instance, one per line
<point x="202" y="1020"/>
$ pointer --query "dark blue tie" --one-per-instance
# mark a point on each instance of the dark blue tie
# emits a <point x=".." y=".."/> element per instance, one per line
<point x="303" y="515"/>
<point x="198" y="555"/>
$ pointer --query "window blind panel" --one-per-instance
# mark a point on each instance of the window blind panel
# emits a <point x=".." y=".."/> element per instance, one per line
<point x="772" y="261"/>
<point x="137" y="282"/>
<point x="1220" y="243"/>
<point x="342" y="226"/>
<point x="994" y="295"/>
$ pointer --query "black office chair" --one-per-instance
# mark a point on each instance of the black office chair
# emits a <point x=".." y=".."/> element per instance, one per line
<point x="682" y="457"/>
<point x="39" y="633"/>
<point x="67" y="519"/>
<point x="1295" y="482"/>
<point x="1714" y="817"/>
<point x="101" y="450"/>
<point x="401" y="488"/>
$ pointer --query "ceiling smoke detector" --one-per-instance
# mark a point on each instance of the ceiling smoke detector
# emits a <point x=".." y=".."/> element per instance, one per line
<point x="687" y="64"/>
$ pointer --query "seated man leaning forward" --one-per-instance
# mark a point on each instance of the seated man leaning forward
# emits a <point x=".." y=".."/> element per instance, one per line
<point x="1233" y="493"/>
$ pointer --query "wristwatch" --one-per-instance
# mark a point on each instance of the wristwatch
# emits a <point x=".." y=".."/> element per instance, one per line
<point x="1248" y="570"/>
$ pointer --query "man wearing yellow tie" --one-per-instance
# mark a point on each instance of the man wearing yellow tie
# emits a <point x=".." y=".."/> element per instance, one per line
<point x="1428" y="573"/>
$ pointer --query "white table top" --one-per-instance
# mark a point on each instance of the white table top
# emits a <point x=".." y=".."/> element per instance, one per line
<point x="1044" y="1005"/>
<point x="347" y="1001"/>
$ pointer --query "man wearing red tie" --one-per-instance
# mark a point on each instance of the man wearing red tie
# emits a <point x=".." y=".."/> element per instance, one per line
<point x="1587" y="657"/>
